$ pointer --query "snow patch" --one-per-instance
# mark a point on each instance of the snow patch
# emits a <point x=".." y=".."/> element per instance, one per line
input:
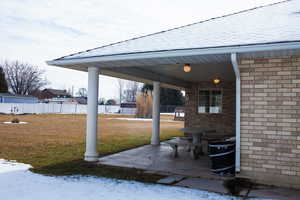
<point x="15" y="123"/>
<point x="16" y="182"/>
<point x="10" y="166"/>
<point x="167" y="113"/>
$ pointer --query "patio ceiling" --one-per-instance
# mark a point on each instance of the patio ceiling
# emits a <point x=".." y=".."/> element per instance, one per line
<point x="175" y="73"/>
<point x="167" y="70"/>
<point x="167" y="67"/>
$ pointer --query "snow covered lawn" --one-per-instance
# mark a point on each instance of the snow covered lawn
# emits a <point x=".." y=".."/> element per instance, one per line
<point x="18" y="183"/>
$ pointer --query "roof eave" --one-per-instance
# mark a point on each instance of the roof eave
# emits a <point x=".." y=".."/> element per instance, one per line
<point x="181" y="52"/>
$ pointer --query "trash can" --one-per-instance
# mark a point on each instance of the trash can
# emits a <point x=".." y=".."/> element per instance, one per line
<point x="222" y="155"/>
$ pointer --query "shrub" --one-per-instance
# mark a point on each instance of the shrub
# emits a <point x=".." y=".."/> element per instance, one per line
<point x="15" y="120"/>
<point x="236" y="185"/>
<point x="144" y="106"/>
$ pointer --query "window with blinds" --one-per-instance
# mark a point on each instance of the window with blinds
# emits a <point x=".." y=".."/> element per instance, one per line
<point x="210" y="101"/>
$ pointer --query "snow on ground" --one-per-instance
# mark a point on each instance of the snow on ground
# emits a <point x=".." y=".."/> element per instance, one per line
<point x="15" y="123"/>
<point x="140" y="119"/>
<point x="17" y="183"/>
<point x="167" y="113"/>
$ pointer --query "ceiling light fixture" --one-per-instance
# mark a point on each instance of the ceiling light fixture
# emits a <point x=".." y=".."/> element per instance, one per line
<point x="216" y="80"/>
<point x="187" y="67"/>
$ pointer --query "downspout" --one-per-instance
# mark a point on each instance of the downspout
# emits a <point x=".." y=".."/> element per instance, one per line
<point x="237" y="112"/>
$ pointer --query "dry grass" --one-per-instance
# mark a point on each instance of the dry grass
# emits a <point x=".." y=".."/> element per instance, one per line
<point x="54" y="143"/>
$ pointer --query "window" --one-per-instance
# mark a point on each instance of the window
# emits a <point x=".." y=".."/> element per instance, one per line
<point x="210" y="101"/>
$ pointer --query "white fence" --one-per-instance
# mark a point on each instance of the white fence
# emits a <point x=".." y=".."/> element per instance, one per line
<point x="43" y="108"/>
<point x="129" y="111"/>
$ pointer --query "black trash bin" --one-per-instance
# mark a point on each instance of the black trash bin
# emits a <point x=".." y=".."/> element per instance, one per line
<point x="222" y="155"/>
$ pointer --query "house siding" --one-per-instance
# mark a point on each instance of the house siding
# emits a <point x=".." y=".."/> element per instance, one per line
<point x="270" y="120"/>
<point x="223" y="122"/>
<point x="19" y="100"/>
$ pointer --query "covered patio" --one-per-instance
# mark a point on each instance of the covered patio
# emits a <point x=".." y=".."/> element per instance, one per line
<point x="168" y="72"/>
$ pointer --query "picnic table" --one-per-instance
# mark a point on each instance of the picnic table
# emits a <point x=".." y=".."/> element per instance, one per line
<point x="192" y="142"/>
<point x="196" y="132"/>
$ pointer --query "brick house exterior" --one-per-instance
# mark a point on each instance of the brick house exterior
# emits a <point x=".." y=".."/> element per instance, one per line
<point x="255" y="52"/>
<point x="223" y="122"/>
<point x="270" y="118"/>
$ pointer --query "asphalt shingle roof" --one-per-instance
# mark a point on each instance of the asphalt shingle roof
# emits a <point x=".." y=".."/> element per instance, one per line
<point x="279" y="22"/>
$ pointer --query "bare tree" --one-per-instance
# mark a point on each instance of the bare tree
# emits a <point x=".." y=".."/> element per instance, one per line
<point x="130" y="93"/>
<point x="121" y="87"/>
<point x="127" y="90"/>
<point x="101" y="101"/>
<point x="3" y="83"/>
<point x="23" y="78"/>
<point x="82" y="92"/>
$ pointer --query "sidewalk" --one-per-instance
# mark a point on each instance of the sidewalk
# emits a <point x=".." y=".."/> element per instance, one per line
<point x="252" y="191"/>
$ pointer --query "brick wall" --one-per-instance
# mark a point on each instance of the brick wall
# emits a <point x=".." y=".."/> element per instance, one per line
<point x="270" y="120"/>
<point x="224" y="122"/>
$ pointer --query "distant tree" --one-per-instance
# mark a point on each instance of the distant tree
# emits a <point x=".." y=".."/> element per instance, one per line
<point x="131" y="90"/>
<point x="168" y="96"/>
<point x="3" y="83"/>
<point x="111" y="102"/>
<point x="143" y="106"/>
<point x="121" y="87"/>
<point x="101" y="101"/>
<point x="147" y="88"/>
<point x="23" y="78"/>
<point x="70" y="92"/>
<point x="82" y="92"/>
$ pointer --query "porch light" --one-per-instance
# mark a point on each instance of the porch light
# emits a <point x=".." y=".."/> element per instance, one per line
<point x="216" y="80"/>
<point x="187" y="67"/>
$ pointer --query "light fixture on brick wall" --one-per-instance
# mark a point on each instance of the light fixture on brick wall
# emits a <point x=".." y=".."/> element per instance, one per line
<point x="216" y="80"/>
<point x="187" y="67"/>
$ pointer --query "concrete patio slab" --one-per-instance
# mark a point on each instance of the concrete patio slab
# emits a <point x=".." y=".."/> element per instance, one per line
<point x="204" y="184"/>
<point x="276" y="193"/>
<point x="186" y="172"/>
<point x="157" y="172"/>
<point x="171" y="179"/>
<point x="158" y="159"/>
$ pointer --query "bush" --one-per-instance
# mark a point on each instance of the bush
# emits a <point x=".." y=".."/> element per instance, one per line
<point x="237" y="185"/>
<point x="144" y="106"/>
<point x="15" y="121"/>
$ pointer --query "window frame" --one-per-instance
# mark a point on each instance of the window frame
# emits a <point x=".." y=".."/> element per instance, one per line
<point x="210" y="90"/>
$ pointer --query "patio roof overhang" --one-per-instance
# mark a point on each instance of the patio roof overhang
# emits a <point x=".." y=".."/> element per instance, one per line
<point x="165" y="66"/>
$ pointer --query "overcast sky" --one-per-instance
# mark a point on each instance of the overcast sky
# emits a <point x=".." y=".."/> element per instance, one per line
<point x="34" y="31"/>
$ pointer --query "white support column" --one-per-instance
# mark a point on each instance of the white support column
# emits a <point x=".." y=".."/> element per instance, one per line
<point x="237" y="112"/>
<point x="156" y="114"/>
<point x="91" y="153"/>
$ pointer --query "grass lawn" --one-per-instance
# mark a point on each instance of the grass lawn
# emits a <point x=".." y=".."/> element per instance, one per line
<point x="54" y="143"/>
